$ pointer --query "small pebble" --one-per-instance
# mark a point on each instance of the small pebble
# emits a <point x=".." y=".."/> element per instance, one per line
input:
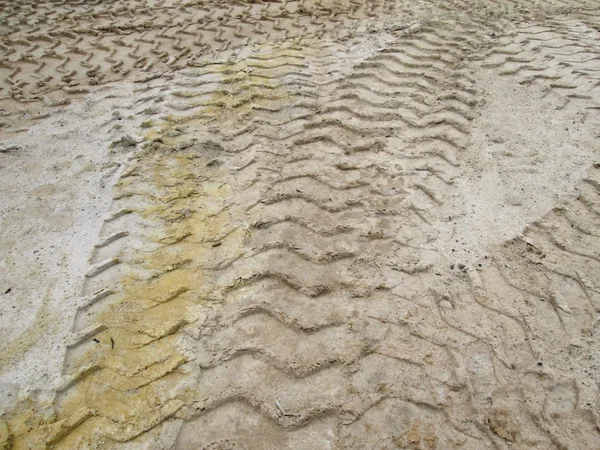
<point x="446" y="304"/>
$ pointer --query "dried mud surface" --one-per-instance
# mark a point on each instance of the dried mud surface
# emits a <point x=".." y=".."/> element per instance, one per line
<point x="300" y="224"/>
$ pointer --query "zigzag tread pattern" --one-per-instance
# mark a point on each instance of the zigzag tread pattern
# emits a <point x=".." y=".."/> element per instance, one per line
<point x="269" y="277"/>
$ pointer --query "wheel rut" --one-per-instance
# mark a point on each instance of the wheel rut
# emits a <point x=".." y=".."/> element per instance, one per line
<point x="274" y="273"/>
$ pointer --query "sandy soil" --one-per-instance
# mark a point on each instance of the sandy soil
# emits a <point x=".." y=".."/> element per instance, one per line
<point x="57" y="182"/>
<point x="299" y="224"/>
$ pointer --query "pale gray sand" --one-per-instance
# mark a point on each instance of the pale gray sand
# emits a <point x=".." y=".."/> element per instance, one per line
<point x="344" y="225"/>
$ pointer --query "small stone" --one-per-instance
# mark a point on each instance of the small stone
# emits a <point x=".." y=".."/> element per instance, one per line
<point x="125" y="141"/>
<point x="413" y="436"/>
<point x="446" y="304"/>
<point x="128" y="141"/>
<point x="8" y="148"/>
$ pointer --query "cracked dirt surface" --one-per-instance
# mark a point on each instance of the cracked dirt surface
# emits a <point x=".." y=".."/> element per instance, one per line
<point x="300" y="224"/>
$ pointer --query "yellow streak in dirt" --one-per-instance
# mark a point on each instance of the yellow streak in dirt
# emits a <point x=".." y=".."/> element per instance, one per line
<point x="135" y="377"/>
<point x="244" y="87"/>
<point x="136" y="367"/>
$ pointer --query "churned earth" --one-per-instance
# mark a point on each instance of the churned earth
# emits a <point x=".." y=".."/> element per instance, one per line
<point x="299" y="224"/>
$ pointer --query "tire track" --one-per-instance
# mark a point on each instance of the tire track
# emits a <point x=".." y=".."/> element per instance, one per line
<point x="272" y="264"/>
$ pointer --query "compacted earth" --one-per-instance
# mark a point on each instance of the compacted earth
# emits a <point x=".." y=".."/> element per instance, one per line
<point x="299" y="224"/>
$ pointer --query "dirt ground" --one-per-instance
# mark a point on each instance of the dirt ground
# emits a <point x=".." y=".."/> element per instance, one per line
<point x="329" y="224"/>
